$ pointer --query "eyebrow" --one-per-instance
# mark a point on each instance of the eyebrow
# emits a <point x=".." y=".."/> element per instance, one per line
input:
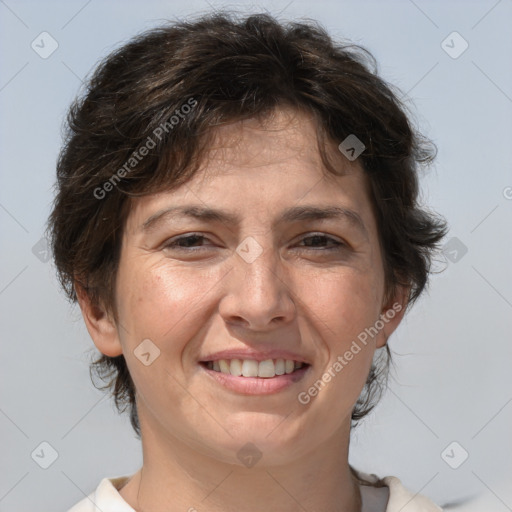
<point x="294" y="214"/>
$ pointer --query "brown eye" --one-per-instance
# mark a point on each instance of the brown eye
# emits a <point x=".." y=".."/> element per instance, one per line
<point x="319" y="240"/>
<point x="185" y="242"/>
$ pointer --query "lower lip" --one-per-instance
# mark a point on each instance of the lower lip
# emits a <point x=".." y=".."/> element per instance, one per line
<point x="257" y="385"/>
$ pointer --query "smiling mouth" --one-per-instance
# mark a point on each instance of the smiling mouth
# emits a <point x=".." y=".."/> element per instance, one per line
<point x="252" y="368"/>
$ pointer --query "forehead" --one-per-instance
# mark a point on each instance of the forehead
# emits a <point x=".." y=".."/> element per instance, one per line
<point x="265" y="165"/>
<point x="282" y="137"/>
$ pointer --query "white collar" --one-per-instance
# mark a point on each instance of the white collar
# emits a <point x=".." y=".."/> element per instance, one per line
<point x="393" y="497"/>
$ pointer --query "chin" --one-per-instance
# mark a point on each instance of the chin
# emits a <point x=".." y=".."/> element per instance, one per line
<point x="267" y="437"/>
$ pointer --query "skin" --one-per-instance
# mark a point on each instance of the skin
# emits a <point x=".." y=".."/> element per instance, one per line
<point x="296" y="295"/>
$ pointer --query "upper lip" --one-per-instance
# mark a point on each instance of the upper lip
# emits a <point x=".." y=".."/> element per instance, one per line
<point x="257" y="355"/>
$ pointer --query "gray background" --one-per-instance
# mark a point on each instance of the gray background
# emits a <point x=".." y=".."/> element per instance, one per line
<point x="453" y="351"/>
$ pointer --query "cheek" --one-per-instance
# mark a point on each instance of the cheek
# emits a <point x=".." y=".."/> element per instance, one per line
<point x="347" y="302"/>
<point x="155" y="299"/>
<point x="157" y="302"/>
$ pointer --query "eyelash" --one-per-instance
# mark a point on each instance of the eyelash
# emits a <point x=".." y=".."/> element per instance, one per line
<point x="173" y="244"/>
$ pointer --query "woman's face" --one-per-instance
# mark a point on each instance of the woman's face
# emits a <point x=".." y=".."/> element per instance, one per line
<point x="195" y="294"/>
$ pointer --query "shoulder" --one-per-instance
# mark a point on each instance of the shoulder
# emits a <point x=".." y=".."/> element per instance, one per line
<point x="105" y="498"/>
<point x="404" y="500"/>
<point x="388" y="494"/>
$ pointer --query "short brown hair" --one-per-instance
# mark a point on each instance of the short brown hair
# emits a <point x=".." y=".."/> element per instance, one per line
<point x="226" y="69"/>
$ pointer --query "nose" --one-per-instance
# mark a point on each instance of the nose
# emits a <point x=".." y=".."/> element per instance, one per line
<point x="259" y="294"/>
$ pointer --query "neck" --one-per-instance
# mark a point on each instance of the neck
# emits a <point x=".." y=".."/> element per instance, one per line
<point x="180" y="478"/>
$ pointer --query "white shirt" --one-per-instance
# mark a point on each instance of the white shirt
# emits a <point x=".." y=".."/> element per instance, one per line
<point x="392" y="498"/>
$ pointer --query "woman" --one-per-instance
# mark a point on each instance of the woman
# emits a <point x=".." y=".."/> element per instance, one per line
<point x="237" y="218"/>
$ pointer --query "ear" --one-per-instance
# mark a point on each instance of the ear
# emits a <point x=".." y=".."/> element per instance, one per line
<point x="102" y="328"/>
<point x="392" y="313"/>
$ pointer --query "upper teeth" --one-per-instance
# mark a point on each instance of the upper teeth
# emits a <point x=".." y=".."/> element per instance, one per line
<point x="252" y="368"/>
